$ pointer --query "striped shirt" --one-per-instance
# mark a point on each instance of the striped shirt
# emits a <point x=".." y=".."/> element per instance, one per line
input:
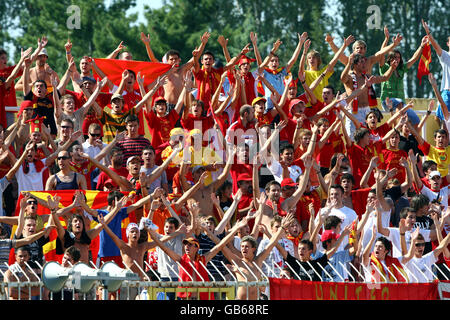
<point x="113" y="122"/>
<point x="5" y="247"/>
<point x="132" y="147"/>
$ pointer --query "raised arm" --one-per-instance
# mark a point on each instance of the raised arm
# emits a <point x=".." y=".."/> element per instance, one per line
<point x="172" y="254"/>
<point x="146" y="40"/>
<point x="301" y="40"/>
<point x="368" y="248"/>
<point x="433" y="42"/>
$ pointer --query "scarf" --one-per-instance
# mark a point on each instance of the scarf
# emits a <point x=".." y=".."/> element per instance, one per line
<point x="295" y="240"/>
<point x="38" y="164"/>
<point x="370" y="94"/>
<point x="390" y="262"/>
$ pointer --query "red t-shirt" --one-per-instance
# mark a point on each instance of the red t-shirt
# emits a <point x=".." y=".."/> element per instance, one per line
<point x="103" y="177"/>
<point x="160" y="127"/>
<point x="392" y="160"/>
<point x="131" y="99"/>
<point x="238" y="168"/>
<point x="287" y="133"/>
<point x="359" y="200"/>
<point x="207" y="83"/>
<point x="360" y="159"/>
<point x="265" y="118"/>
<point x="7" y="96"/>
<point x="190" y="274"/>
<point x="192" y="122"/>
<point x="379" y="132"/>
<point x="328" y="150"/>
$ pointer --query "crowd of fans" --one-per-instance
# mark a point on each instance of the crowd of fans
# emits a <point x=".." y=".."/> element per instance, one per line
<point x="241" y="166"/>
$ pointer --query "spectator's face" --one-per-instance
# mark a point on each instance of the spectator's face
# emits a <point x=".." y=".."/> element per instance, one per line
<point x="243" y="154"/>
<point x="294" y="229"/>
<point x="69" y="105"/>
<point x="117" y="158"/>
<point x="41" y="60"/>
<point x="419" y="248"/>
<point x="169" y="228"/>
<point x="89" y="86"/>
<point x="132" y="128"/>
<point x="67" y="261"/>
<point x="305" y="139"/>
<point x="410" y="219"/>
<point x="160" y="108"/>
<point x="372" y="120"/>
<point x="208" y="61"/>
<point x="287" y="191"/>
<point x="126" y="56"/>
<point x="274" y="193"/>
<point x="39" y="89"/>
<point x="287" y="156"/>
<point x="30" y="227"/>
<point x="66" y="129"/>
<point x="174" y="60"/>
<point x="22" y="256"/>
<point x="77" y="225"/>
<point x="148" y="155"/>
<point x="245" y="186"/>
<point x="435" y="182"/>
<point x="85" y="67"/>
<point x="360" y="48"/>
<point x="380" y="250"/>
<point x="259" y="107"/>
<point x="3" y="60"/>
<point x="304" y="253"/>
<point x="63" y="159"/>
<point x="292" y="92"/>
<point x="28" y="113"/>
<point x="323" y="128"/>
<point x="196" y="110"/>
<point x="327" y="95"/>
<point x="275" y="227"/>
<point x="117" y="105"/>
<point x="274" y="63"/>
<point x="336" y="195"/>
<point x="394" y="140"/>
<point x="134" y="167"/>
<point x="244" y="231"/>
<point x="441" y="140"/>
<point x="245" y="68"/>
<point x="347" y="184"/>
<point x="247" y="250"/>
<point x="32" y="206"/>
<point x="313" y="62"/>
<point x="36" y="136"/>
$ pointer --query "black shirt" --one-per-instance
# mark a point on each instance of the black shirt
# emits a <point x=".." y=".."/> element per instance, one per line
<point x="44" y="107"/>
<point x="294" y="263"/>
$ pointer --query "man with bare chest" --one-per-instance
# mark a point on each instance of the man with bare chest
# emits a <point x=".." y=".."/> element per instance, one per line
<point x="354" y="76"/>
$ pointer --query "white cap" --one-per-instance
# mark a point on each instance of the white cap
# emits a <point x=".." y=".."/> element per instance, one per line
<point x="434" y="174"/>
<point x="43" y="52"/>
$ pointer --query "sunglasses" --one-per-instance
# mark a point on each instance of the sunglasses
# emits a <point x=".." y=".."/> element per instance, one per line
<point x="63" y="158"/>
<point x="66" y="127"/>
<point x="32" y="202"/>
<point x="95" y="134"/>
<point x="420" y="244"/>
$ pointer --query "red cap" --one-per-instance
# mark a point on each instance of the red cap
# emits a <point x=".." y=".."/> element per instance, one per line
<point x="293" y="83"/>
<point x="160" y="98"/>
<point x="329" y="234"/>
<point x="111" y="182"/>
<point x="25" y="105"/>
<point x="244" y="177"/>
<point x="288" y="182"/>
<point x="245" y="59"/>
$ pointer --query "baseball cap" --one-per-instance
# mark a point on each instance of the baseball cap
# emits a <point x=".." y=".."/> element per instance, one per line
<point x="191" y="240"/>
<point x="329" y="234"/>
<point x="132" y="158"/>
<point x="244" y="177"/>
<point x="43" y="52"/>
<point x="257" y="99"/>
<point x="288" y="182"/>
<point x="88" y="79"/>
<point x="110" y="181"/>
<point x="158" y="99"/>
<point x="434" y="174"/>
<point x="117" y="96"/>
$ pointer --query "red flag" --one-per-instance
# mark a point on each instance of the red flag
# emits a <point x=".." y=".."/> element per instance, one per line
<point x="113" y="69"/>
<point x="424" y="63"/>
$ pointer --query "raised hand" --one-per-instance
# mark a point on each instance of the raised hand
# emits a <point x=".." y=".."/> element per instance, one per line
<point x="222" y="41"/>
<point x="145" y="38"/>
<point x="68" y="45"/>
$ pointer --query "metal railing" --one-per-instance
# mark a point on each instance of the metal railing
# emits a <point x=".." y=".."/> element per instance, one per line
<point x="154" y="288"/>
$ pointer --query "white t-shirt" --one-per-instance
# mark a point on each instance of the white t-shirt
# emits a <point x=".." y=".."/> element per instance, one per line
<point x="441" y="194"/>
<point x="394" y="237"/>
<point x="275" y="256"/>
<point x="444" y="59"/>
<point x="277" y="170"/>
<point x="424" y="265"/>
<point x="32" y="181"/>
<point x="347" y="216"/>
<point x="371" y="221"/>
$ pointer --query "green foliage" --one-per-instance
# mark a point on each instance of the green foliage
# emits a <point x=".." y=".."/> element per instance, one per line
<point x="178" y="24"/>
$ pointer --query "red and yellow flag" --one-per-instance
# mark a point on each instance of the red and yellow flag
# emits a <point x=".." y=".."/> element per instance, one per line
<point x="94" y="199"/>
<point x="424" y="62"/>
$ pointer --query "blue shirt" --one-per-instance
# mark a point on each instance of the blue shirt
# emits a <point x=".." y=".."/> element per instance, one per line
<point x="107" y="246"/>
<point x="277" y="81"/>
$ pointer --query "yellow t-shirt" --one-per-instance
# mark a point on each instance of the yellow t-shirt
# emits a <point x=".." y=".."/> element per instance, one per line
<point x="311" y="75"/>
<point x="441" y="157"/>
